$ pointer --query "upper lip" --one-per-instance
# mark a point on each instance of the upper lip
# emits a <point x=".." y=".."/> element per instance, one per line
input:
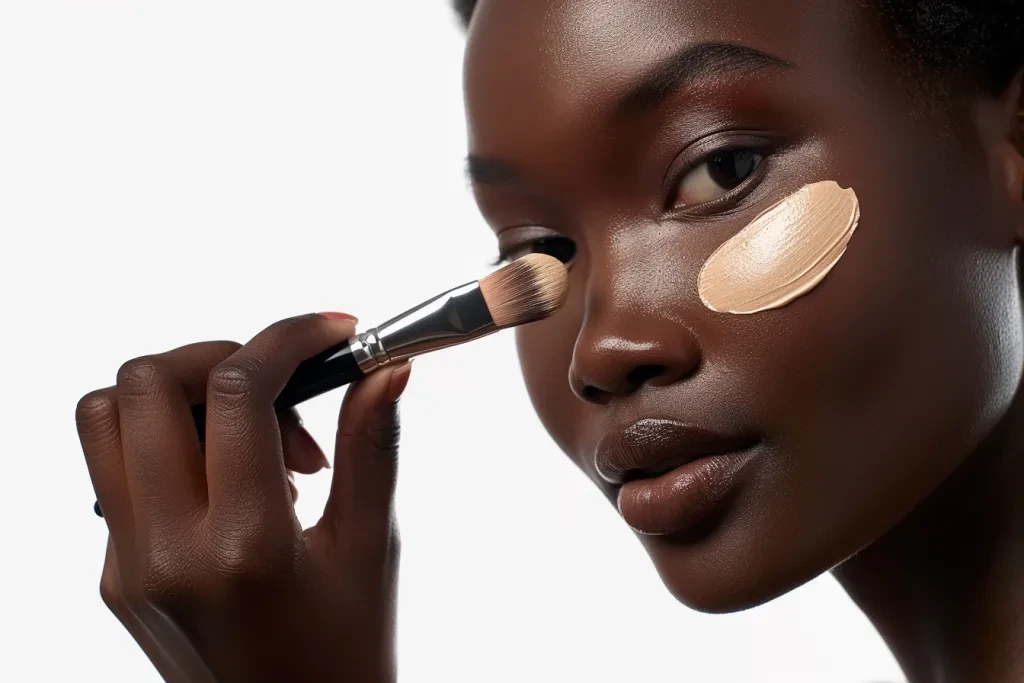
<point x="651" y="447"/>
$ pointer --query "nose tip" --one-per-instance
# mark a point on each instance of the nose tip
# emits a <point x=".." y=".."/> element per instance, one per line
<point x="610" y="367"/>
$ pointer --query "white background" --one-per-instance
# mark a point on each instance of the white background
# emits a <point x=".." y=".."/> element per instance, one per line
<point x="171" y="172"/>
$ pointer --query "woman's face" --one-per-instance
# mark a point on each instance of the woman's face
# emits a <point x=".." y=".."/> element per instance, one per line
<point x="624" y="135"/>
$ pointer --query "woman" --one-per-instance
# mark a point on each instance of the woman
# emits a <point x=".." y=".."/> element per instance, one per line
<point x="872" y="427"/>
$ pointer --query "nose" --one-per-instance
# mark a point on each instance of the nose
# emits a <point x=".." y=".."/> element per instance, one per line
<point x="619" y="352"/>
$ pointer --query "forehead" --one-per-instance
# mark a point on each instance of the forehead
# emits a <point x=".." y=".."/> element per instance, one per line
<point x="560" y="62"/>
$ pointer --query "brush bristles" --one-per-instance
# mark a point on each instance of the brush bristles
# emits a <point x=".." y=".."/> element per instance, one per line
<point x="528" y="289"/>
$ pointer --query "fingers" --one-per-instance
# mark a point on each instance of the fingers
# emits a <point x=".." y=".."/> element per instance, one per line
<point x="245" y="467"/>
<point x="99" y="431"/>
<point x="162" y="454"/>
<point x="302" y="453"/>
<point x="366" y="458"/>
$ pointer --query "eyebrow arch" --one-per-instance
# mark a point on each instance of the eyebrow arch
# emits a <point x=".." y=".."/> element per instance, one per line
<point x="690" y="64"/>
<point x="667" y="77"/>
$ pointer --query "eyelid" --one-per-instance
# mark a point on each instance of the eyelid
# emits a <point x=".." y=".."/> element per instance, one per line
<point x="699" y="153"/>
<point x="730" y="201"/>
<point x="696" y="153"/>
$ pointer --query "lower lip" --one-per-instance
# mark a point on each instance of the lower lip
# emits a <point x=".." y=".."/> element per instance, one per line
<point x="683" y="498"/>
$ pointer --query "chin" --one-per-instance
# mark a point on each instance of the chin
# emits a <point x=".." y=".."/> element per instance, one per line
<point x="730" y="566"/>
<point x="708" y="589"/>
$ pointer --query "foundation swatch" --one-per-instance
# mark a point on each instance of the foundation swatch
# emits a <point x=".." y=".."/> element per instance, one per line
<point x="783" y="253"/>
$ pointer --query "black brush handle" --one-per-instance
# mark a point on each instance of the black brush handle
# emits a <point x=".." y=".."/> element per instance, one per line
<point x="325" y="371"/>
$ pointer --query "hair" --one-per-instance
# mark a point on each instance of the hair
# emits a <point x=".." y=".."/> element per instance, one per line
<point x="980" y="40"/>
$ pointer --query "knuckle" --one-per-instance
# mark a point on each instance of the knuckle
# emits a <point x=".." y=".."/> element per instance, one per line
<point x="119" y="598"/>
<point x="252" y="559"/>
<point x="163" y="583"/>
<point x="139" y="374"/>
<point x="110" y="593"/>
<point x="235" y="377"/>
<point x="382" y="434"/>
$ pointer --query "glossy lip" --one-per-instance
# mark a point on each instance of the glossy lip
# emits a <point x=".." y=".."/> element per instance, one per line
<point x="672" y="476"/>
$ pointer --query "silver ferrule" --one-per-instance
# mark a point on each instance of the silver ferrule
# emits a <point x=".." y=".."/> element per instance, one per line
<point x="455" y="317"/>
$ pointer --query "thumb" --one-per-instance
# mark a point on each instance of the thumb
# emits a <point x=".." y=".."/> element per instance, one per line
<point x="366" y="458"/>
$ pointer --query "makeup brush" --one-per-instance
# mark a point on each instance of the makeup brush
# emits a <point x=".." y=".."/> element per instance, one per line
<point x="526" y="290"/>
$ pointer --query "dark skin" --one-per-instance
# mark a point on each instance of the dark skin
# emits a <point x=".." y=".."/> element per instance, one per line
<point x="885" y="405"/>
<point x="207" y="566"/>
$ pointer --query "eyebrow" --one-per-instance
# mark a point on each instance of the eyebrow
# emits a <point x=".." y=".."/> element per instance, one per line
<point x="666" y="78"/>
<point x="691" y="64"/>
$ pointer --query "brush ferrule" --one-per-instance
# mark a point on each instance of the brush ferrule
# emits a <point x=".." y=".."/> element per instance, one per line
<point x="455" y="317"/>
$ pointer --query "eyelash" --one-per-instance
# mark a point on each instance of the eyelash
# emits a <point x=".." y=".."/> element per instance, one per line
<point x="729" y="199"/>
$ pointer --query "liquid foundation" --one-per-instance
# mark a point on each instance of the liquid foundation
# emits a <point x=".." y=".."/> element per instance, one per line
<point x="782" y="254"/>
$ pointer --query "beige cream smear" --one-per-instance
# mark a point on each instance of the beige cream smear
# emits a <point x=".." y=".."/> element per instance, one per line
<point x="783" y="253"/>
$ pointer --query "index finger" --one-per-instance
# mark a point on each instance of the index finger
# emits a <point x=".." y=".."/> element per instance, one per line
<point x="245" y="466"/>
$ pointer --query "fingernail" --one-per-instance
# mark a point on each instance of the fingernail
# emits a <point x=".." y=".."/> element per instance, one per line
<point x="311" y="443"/>
<point x="398" y="381"/>
<point x="339" y="316"/>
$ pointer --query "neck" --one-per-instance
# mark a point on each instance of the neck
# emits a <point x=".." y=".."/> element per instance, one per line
<point x="945" y="587"/>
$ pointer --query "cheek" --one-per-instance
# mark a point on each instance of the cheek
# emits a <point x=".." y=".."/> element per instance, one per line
<point x="917" y="322"/>
<point x="879" y="384"/>
<point x="924" y="323"/>
<point x="869" y="391"/>
<point x="545" y="354"/>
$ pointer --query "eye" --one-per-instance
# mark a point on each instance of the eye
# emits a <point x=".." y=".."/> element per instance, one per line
<point x="716" y="176"/>
<point x="512" y="247"/>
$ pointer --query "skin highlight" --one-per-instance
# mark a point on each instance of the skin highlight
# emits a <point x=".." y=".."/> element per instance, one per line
<point x="883" y="406"/>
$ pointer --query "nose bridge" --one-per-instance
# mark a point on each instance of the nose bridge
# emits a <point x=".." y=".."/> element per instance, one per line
<point x="633" y="331"/>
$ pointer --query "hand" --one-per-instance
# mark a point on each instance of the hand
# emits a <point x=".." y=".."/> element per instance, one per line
<point x="207" y="565"/>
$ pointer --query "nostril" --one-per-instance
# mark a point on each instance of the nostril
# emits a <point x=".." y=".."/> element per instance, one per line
<point x="641" y="374"/>
<point x="633" y="380"/>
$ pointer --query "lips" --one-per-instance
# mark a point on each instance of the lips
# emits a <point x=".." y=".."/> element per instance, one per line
<point x="672" y="476"/>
